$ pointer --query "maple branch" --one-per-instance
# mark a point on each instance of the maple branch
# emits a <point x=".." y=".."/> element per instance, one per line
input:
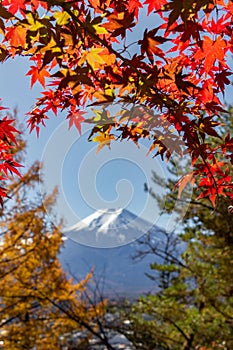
<point x="65" y="6"/>
<point x="166" y="99"/>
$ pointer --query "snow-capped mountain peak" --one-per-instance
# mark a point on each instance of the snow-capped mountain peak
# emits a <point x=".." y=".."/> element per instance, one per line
<point x="108" y="228"/>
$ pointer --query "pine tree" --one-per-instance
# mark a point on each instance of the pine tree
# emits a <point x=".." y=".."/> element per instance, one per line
<point x="194" y="309"/>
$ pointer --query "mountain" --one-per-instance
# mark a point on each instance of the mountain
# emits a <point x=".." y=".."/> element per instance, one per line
<point x="108" y="228"/>
<point x="107" y="241"/>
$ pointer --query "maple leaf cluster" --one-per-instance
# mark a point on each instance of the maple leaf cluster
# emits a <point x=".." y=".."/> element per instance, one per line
<point x="81" y="56"/>
<point x="8" y="165"/>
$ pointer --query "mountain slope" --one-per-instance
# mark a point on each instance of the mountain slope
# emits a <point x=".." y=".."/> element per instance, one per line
<point x="121" y="275"/>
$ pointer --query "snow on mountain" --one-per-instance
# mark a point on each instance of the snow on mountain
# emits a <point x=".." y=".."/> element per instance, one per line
<point x="108" y="228"/>
<point x="117" y="230"/>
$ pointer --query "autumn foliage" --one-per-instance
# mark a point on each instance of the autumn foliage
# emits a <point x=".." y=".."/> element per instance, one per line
<point x="175" y="75"/>
<point x="39" y="302"/>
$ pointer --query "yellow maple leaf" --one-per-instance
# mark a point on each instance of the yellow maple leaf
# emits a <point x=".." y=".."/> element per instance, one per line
<point x="103" y="139"/>
<point x="99" y="29"/>
<point x="61" y="17"/>
<point x="93" y="57"/>
<point x="34" y="25"/>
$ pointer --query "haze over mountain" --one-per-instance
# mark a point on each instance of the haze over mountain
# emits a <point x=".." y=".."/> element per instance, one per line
<point x="107" y="241"/>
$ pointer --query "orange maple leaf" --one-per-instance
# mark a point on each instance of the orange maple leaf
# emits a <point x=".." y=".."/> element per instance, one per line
<point x="211" y="50"/>
<point x="36" y="3"/>
<point x="38" y="74"/>
<point x="16" y="36"/>
<point x="184" y="181"/>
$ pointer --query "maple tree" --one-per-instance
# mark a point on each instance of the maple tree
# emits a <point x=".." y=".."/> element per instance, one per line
<point x="81" y="55"/>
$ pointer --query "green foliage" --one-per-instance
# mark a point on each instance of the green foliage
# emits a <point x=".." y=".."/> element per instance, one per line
<point x="194" y="310"/>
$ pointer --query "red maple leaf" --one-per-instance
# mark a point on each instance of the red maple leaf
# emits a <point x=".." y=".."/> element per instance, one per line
<point x="15" y="6"/>
<point x="3" y="194"/>
<point x="7" y="131"/>
<point x="222" y="79"/>
<point x="133" y="6"/>
<point x="189" y="29"/>
<point x="154" y="5"/>
<point x="9" y="165"/>
<point x="76" y="118"/>
<point x="220" y="26"/>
